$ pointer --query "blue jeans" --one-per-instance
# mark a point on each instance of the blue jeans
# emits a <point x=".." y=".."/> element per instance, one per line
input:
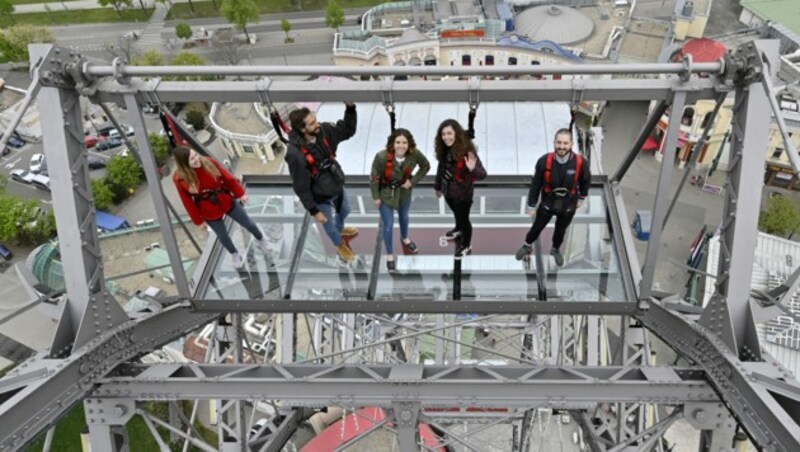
<point x="238" y="214"/>
<point x="333" y="227"/>
<point x="387" y="216"/>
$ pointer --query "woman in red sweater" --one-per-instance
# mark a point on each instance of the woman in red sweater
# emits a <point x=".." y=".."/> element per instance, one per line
<point x="209" y="193"/>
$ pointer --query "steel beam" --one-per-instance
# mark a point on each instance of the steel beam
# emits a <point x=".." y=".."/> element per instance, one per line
<point x="663" y="189"/>
<point x="38" y="405"/>
<point x="89" y="310"/>
<point x="728" y="313"/>
<point x="647" y="129"/>
<point x="360" y="385"/>
<point x="415" y="91"/>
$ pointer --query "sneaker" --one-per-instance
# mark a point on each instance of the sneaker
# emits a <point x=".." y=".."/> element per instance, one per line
<point x="237" y="260"/>
<point x="557" y="256"/>
<point x="391" y="265"/>
<point x="462" y="251"/>
<point x="349" y="231"/>
<point x="452" y="234"/>
<point x="263" y="245"/>
<point x="345" y="253"/>
<point x="523" y="251"/>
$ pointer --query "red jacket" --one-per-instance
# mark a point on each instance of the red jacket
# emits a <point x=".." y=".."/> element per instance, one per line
<point x="201" y="208"/>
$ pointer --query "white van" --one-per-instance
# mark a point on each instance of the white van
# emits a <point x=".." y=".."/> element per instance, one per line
<point x="41" y="182"/>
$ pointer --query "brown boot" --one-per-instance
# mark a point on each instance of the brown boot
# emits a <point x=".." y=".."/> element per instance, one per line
<point x="345" y="252"/>
<point x="349" y="231"/>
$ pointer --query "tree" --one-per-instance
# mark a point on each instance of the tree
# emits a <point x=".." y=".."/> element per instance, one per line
<point x="160" y="147"/>
<point x="183" y="30"/>
<point x="124" y="172"/>
<point x="149" y="58"/>
<point x="240" y="12"/>
<point x="189" y="59"/>
<point x="286" y="26"/>
<point x="116" y="4"/>
<point x="23" y="221"/>
<point x="14" y="41"/>
<point x="226" y="46"/>
<point x="780" y="218"/>
<point x="196" y="119"/>
<point x="6" y="8"/>
<point x="334" y="15"/>
<point x="102" y="193"/>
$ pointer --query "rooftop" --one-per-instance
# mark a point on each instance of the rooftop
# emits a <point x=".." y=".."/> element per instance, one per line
<point x="786" y="12"/>
<point x="554" y="23"/>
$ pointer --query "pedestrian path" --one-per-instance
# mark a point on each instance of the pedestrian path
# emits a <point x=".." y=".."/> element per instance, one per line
<point x="150" y="38"/>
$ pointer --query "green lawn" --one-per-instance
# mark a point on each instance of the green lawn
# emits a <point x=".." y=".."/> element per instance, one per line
<point x="206" y="8"/>
<point x="78" y="16"/>
<point x="25" y="2"/>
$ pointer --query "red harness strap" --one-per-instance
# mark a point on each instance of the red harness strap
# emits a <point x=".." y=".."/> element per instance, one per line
<point x="548" y="168"/>
<point x="310" y="158"/>
<point x="387" y="172"/>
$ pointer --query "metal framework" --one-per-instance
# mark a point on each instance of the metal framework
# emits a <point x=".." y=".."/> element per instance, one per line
<point x="565" y="355"/>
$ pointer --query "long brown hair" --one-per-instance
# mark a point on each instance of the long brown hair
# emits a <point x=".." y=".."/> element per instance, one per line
<point x="412" y="145"/>
<point x="186" y="172"/>
<point x="461" y="146"/>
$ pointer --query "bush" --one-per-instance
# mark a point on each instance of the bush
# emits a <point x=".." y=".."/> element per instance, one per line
<point x="780" y="218"/>
<point x="102" y="193"/>
<point x="196" y="119"/>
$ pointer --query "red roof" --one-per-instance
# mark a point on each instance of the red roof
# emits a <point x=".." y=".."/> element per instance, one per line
<point x="703" y="50"/>
<point x="355" y="424"/>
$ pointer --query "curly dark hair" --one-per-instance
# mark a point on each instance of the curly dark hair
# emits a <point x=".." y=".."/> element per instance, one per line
<point x="412" y="145"/>
<point x="461" y="147"/>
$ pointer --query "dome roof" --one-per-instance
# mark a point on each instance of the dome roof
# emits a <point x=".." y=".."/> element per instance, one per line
<point x="559" y="24"/>
<point x="702" y="50"/>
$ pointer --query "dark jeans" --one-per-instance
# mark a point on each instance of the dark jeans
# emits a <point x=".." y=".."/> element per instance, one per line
<point x="333" y="227"/>
<point x="238" y="214"/>
<point x="543" y="216"/>
<point x="461" y="208"/>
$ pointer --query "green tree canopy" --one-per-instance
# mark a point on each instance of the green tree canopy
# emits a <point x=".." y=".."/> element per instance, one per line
<point x="334" y="15"/>
<point x="148" y="58"/>
<point x="781" y="216"/>
<point x="124" y="172"/>
<point x="160" y="147"/>
<point x="102" y="193"/>
<point x="240" y="12"/>
<point x="189" y="59"/>
<point x="286" y="26"/>
<point x="14" y="41"/>
<point x="22" y="221"/>
<point x="6" y="8"/>
<point x="183" y="30"/>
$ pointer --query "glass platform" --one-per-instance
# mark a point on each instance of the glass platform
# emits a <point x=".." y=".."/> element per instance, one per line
<point x="303" y="264"/>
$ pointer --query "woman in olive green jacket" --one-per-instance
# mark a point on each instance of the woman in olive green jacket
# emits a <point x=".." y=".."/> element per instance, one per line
<point x="391" y="184"/>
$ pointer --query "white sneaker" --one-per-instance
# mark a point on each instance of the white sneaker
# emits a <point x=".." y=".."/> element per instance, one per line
<point x="263" y="245"/>
<point x="237" y="260"/>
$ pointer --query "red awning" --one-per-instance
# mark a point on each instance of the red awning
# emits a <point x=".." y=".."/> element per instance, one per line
<point x="650" y="144"/>
<point x="702" y="50"/>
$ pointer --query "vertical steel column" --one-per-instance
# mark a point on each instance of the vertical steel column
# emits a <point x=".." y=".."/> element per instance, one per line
<point x="157" y="194"/>
<point x="662" y="195"/>
<point x="655" y="116"/>
<point x="728" y="313"/>
<point x="89" y="310"/>
<point x="405" y="416"/>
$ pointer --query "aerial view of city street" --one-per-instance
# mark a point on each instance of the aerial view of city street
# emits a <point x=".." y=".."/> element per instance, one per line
<point x="656" y="312"/>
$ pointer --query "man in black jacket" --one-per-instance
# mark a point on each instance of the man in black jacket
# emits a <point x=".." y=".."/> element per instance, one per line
<point x="317" y="178"/>
<point x="562" y="181"/>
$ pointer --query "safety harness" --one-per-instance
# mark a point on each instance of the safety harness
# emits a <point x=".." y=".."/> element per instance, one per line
<point x="310" y="158"/>
<point x="389" y="169"/>
<point x="548" y="168"/>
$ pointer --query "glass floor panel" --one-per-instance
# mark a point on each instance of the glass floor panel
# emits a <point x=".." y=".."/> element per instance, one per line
<point x="303" y="264"/>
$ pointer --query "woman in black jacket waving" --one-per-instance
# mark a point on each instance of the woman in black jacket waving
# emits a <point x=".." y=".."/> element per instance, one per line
<point x="459" y="167"/>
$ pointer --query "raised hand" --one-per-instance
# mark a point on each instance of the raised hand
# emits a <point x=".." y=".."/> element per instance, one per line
<point x="471" y="161"/>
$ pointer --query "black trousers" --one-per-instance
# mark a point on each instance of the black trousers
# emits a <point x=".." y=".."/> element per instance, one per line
<point x="461" y="208"/>
<point x="543" y="216"/>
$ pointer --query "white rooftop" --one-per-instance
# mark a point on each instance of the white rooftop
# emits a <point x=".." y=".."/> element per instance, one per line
<point x="510" y="136"/>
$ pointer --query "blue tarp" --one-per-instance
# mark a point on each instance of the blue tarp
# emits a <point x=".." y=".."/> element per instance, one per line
<point x="108" y="222"/>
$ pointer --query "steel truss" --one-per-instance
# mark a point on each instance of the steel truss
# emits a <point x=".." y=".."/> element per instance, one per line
<point x="561" y="361"/>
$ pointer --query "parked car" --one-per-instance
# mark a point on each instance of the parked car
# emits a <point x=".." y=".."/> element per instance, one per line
<point x="15" y="140"/>
<point x="41" y="182"/>
<point x="114" y="133"/>
<point x="96" y="163"/>
<point x="6" y="150"/>
<point x="20" y="175"/>
<point x="108" y="143"/>
<point x="36" y="163"/>
<point x="256" y="427"/>
<point x="5" y="253"/>
<point x="149" y="108"/>
<point x="90" y="141"/>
